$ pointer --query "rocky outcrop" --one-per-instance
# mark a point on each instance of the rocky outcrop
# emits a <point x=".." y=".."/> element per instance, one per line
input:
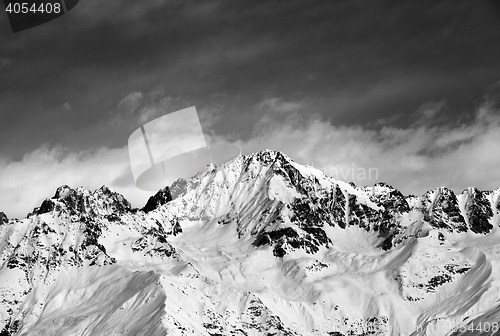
<point x="161" y="197"/>
<point x="3" y="218"/>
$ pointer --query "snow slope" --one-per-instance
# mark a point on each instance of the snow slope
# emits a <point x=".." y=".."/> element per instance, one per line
<point x="257" y="246"/>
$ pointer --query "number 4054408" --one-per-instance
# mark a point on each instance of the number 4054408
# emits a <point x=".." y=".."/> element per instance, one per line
<point x="33" y="8"/>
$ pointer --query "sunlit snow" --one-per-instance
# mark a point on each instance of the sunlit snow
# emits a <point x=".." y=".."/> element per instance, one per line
<point x="256" y="246"/>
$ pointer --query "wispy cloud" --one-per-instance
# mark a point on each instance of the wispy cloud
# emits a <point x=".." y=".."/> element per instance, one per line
<point x="25" y="183"/>
<point x="138" y="108"/>
<point x="156" y="108"/>
<point x="279" y="105"/>
<point x="209" y="115"/>
<point x="131" y="102"/>
<point x="414" y="159"/>
<point x="428" y="113"/>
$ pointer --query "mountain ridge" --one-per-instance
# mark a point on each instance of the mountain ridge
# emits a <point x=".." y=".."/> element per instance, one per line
<point x="262" y="229"/>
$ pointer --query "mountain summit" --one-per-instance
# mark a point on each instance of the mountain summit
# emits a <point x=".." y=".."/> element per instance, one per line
<point x="259" y="245"/>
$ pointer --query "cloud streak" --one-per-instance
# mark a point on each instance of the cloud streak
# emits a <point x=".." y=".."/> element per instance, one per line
<point x="25" y="183"/>
<point x="279" y="105"/>
<point x="413" y="159"/>
<point x="131" y="102"/>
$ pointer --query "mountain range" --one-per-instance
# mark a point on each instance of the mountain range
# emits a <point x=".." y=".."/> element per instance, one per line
<point x="259" y="245"/>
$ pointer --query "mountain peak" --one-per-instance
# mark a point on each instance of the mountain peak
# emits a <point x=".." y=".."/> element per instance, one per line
<point x="63" y="191"/>
<point x="81" y="200"/>
<point x="269" y="155"/>
<point x="292" y="248"/>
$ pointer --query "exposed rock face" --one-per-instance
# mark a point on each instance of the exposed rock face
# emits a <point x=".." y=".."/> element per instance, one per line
<point x="161" y="197"/>
<point x="478" y="210"/>
<point x="257" y="246"/>
<point x="3" y="218"/>
<point x="441" y="210"/>
<point x="79" y="200"/>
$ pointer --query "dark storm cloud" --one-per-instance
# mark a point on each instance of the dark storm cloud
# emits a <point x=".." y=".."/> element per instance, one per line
<point x="87" y="79"/>
<point x="357" y="60"/>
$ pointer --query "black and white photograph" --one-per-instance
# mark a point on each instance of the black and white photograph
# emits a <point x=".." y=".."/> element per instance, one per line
<point x="249" y="168"/>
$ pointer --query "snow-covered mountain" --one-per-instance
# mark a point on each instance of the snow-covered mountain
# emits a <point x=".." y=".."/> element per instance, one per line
<point x="259" y="245"/>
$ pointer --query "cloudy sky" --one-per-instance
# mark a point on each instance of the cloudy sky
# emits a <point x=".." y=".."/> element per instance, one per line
<point x="408" y="89"/>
